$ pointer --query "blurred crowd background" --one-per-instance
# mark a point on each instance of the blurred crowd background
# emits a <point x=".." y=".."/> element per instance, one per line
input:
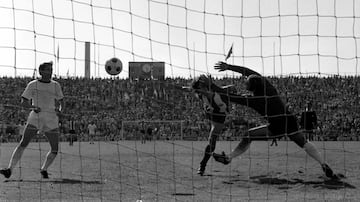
<point x="122" y="108"/>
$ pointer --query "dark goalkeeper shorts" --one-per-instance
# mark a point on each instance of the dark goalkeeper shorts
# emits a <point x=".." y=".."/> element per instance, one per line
<point x="287" y="125"/>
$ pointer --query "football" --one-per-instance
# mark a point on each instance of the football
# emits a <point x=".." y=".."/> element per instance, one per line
<point x="113" y="66"/>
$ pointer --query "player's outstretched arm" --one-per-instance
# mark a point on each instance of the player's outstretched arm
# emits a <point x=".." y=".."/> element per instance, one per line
<point x="232" y="97"/>
<point x="237" y="99"/>
<point x="222" y="66"/>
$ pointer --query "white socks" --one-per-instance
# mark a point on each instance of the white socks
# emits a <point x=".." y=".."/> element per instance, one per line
<point x="312" y="151"/>
<point x="48" y="161"/>
<point x="16" y="156"/>
<point x="240" y="149"/>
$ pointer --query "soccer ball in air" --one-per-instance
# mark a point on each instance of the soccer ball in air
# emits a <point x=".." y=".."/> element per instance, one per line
<point x="113" y="66"/>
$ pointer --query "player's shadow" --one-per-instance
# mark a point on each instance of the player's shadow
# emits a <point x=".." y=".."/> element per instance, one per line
<point x="283" y="183"/>
<point x="59" y="181"/>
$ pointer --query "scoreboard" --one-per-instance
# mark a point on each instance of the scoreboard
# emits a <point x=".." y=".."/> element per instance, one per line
<point x="147" y="70"/>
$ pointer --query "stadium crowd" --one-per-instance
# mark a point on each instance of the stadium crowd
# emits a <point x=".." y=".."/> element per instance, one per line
<point x="116" y="106"/>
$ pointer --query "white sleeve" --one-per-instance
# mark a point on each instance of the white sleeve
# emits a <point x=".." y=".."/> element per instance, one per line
<point x="59" y="94"/>
<point x="28" y="92"/>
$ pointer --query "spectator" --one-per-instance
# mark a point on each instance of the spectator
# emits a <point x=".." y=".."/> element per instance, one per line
<point x="308" y="121"/>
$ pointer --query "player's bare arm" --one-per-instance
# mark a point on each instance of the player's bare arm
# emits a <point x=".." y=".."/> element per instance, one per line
<point x="59" y="106"/>
<point x="222" y="66"/>
<point x="27" y="104"/>
<point x="232" y="97"/>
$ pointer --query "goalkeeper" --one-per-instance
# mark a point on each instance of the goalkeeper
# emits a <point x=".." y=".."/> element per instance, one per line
<point x="267" y="102"/>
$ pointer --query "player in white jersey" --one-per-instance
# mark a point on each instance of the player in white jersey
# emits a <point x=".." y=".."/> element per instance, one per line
<point x="44" y="98"/>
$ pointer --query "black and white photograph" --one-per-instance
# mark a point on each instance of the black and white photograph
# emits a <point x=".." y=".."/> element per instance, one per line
<point x="180" y="100"/>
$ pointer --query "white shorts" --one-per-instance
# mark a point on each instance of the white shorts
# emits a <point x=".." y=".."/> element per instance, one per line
<point x="43" y="121"/>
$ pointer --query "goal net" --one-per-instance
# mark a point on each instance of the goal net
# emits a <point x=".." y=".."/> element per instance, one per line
<point x="143" y="140"/>
<point x="146" y="130"/>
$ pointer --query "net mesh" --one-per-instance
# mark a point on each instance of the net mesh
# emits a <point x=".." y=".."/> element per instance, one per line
<point x="149" y="136"/>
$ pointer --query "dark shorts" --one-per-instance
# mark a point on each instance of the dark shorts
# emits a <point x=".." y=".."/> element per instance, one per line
<point x="218" y="118"/>
<point x="287" y="125"/>
<point x="283" y="125"/>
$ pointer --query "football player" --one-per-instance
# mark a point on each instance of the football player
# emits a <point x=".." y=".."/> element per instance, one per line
<point x="215" y="107"/>
<point x="44" y="98"/>
<point x="267" y="102"/>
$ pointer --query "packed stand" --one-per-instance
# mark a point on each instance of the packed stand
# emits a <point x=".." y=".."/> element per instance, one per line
<point x="112" y="103"/>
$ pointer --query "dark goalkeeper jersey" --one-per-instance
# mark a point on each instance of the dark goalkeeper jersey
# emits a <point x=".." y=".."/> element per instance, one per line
<point x="268" y="103"/>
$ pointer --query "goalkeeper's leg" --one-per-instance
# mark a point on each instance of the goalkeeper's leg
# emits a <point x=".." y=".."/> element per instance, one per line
<point x="311" y="150"/>
<point x="260" y="132"/>
<point x="240" y="148"/>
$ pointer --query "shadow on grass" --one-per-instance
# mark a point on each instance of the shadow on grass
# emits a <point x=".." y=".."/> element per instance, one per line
<point x="283" y="183"/>
<point x="59" y="181"/>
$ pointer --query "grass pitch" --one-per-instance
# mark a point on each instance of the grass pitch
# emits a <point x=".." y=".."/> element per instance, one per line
<point x="166" y="171"/>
